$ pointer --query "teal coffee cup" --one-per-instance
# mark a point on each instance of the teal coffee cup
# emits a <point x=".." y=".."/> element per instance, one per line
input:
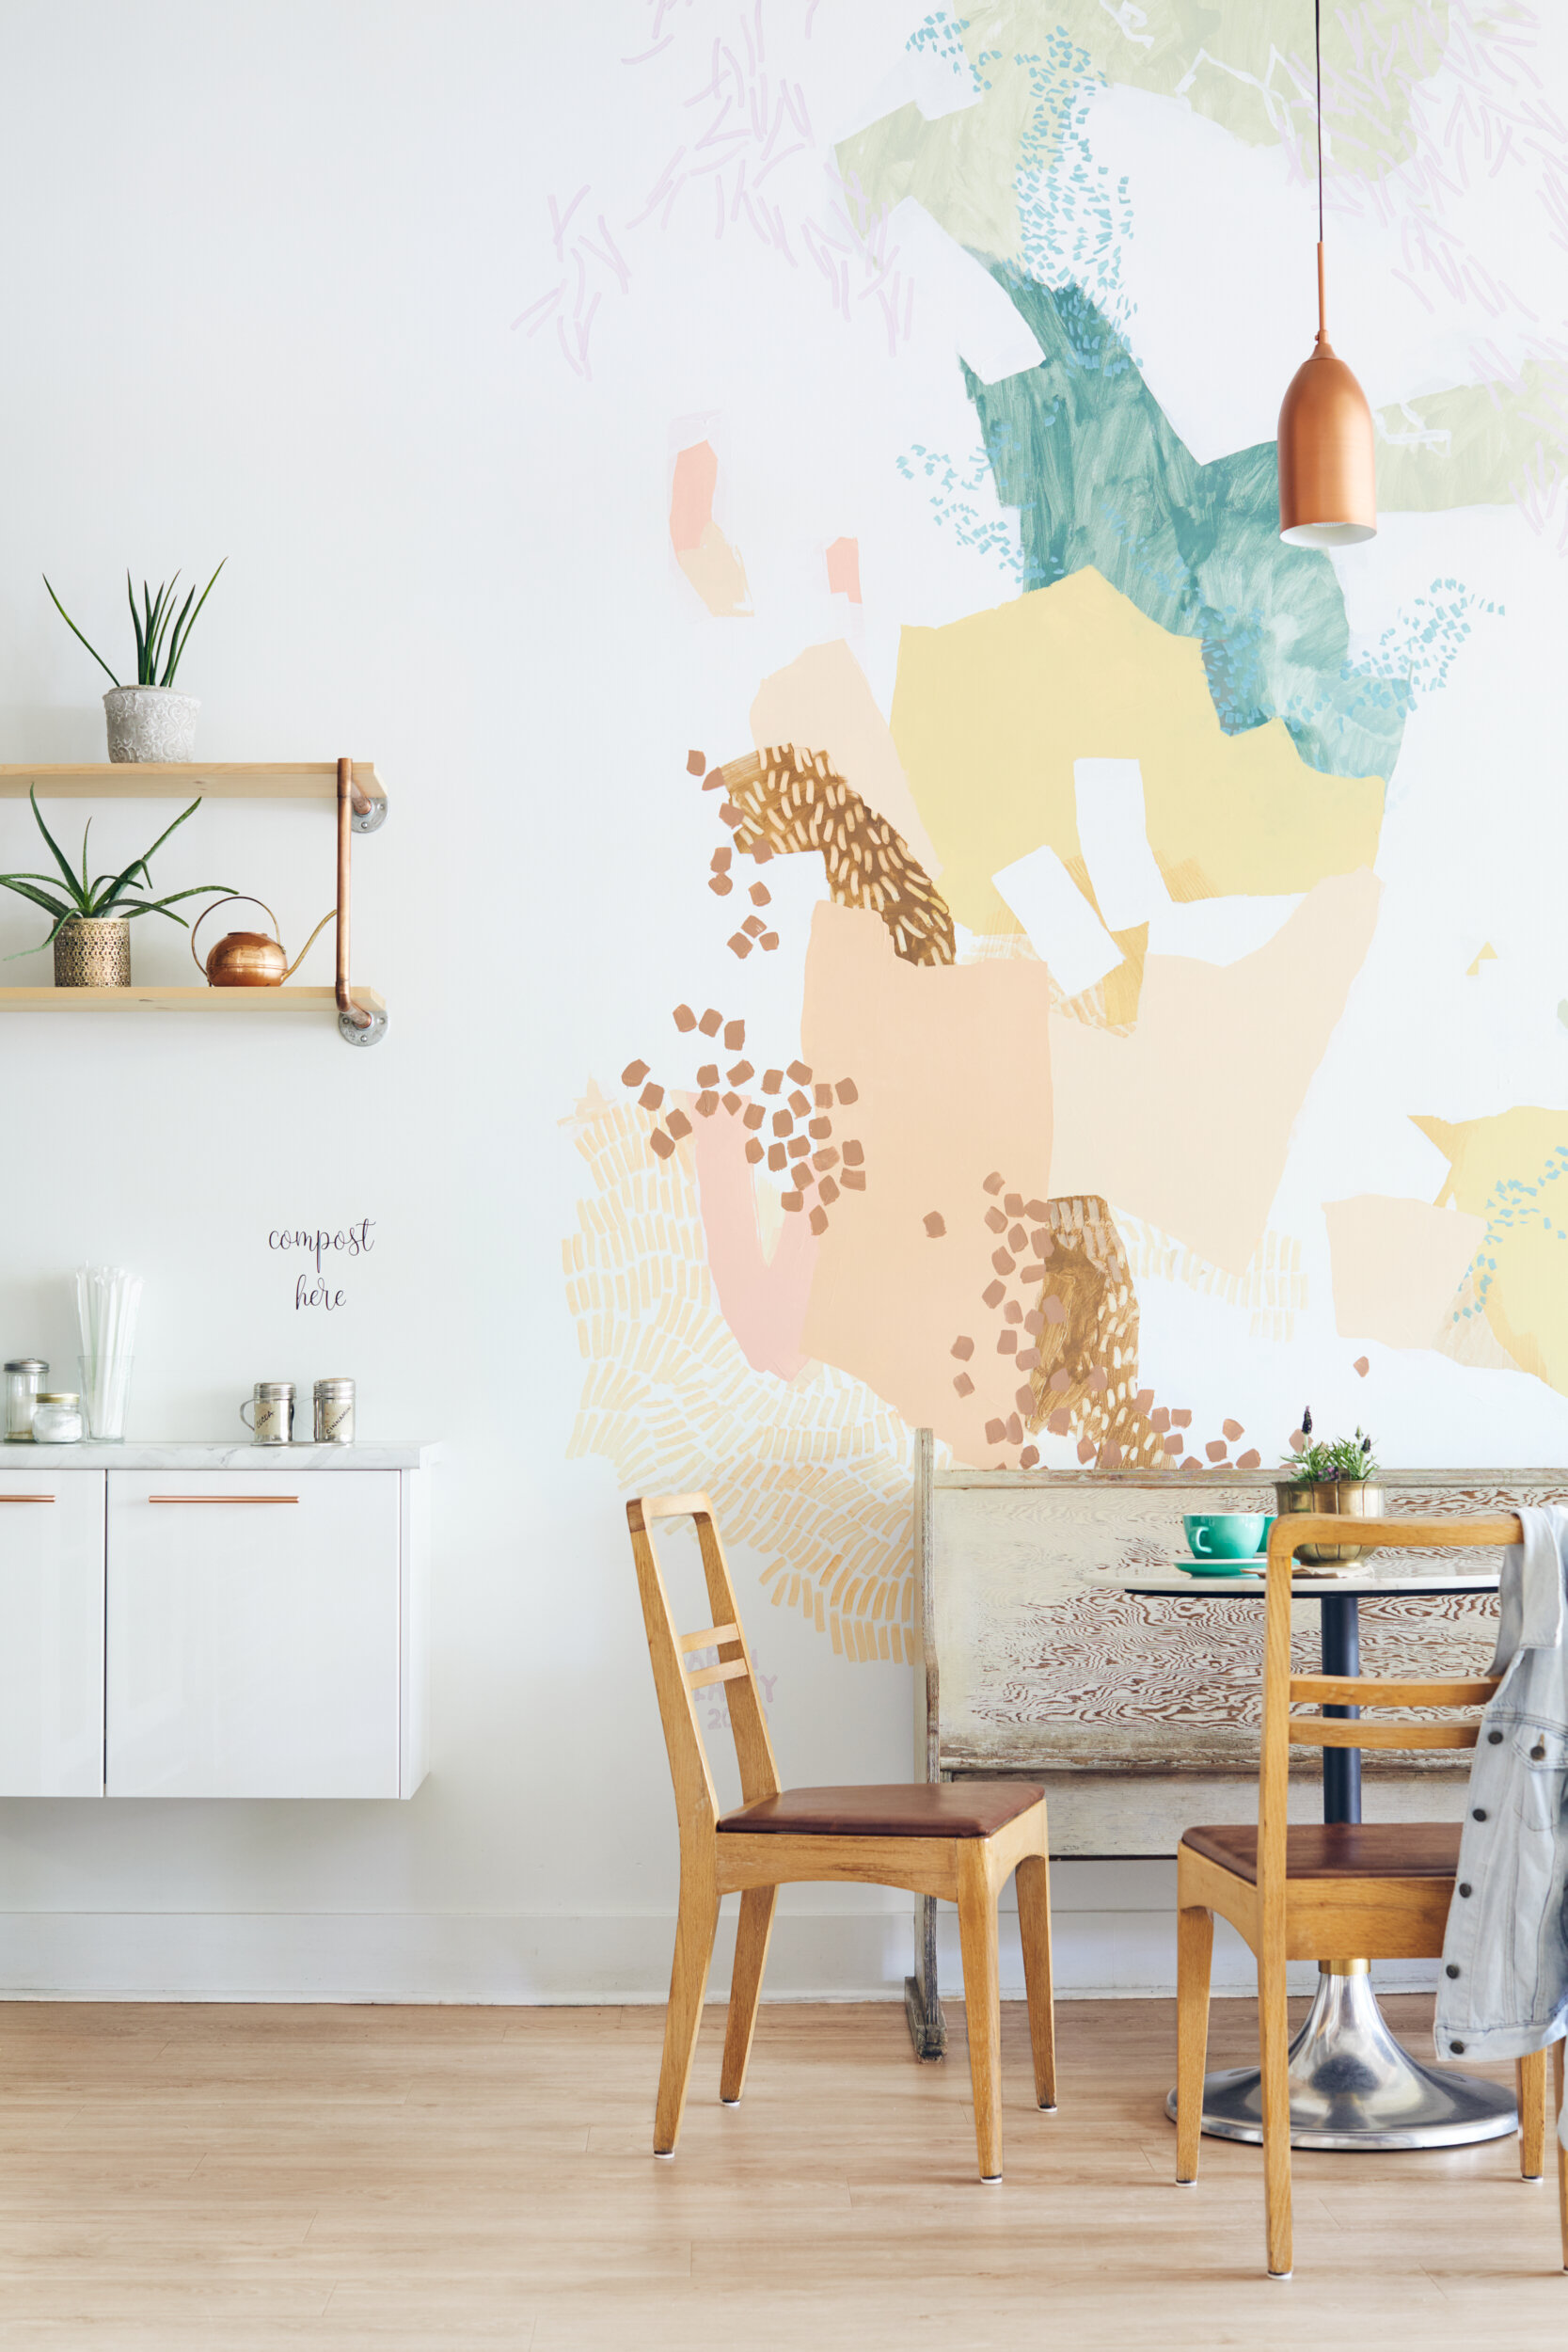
<point x="1224" y="1534"/>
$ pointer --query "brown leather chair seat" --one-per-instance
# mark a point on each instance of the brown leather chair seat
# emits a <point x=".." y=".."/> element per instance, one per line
<point x="971" y="1809"/>
<point x="1340" y="1849"/>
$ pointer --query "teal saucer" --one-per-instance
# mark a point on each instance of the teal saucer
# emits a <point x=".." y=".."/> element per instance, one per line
<point x="1249" y="1566"/>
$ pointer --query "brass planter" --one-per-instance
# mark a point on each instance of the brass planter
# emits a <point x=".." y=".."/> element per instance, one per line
<point x="93" y="951"/>
<point x="1342" y="1498"/>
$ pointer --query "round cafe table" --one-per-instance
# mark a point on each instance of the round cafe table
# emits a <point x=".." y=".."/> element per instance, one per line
<point x="1352" y="2084"/>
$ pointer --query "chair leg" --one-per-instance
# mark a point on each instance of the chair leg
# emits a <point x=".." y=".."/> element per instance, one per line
<point x="982" y="2000"/>
<point x="1033" y="1880"/>
<point x="1561" y="2152"/>
<point x="750" y="1957"/>
<point x="1195" y="1952"/>
<point x="1274" y="2051"/>
<point x="696" y="1925"/>
<point x="1529" y="2075"/>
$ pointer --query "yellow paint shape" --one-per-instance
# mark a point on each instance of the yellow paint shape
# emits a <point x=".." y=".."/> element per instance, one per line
<point x="1512" y="1170"/>
<point x="1396" y="1265"/>
<point x="824" y="698"/>
<point x="953" y="1064"/>
<point x="1187" y="1122"/>
<point x="1487" y="955"/>
<point x="991" y="712"/>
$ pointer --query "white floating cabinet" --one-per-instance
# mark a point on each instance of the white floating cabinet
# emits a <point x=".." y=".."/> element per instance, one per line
<point x="51" y="1630"/>
<point x="215" y="1621"/>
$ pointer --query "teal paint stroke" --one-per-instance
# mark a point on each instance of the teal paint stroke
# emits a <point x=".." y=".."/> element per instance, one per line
<point x="1511" y="1204"/>
<point x="1082" y="448"/>
<point x="952" y="499"/>
<point x="1074" y="220"/>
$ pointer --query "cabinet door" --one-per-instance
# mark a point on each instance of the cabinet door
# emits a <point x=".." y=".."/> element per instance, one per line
<point x="253" y="1634"/>
<point x="50" y="1627"/>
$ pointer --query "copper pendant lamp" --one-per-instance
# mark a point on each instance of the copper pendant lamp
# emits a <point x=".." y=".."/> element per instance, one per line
<point x="1327" y="478"/>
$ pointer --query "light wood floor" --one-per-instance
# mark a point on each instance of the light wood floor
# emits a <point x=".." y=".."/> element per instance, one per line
<point x="233" y="2178"/>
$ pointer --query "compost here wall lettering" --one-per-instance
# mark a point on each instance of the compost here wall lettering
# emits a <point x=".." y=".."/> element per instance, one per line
<point x="316" y="1285"/>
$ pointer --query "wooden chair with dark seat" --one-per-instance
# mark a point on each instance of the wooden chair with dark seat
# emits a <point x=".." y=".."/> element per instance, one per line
<point x="959" y="1843"/>
<point x="1379" y="1890"/>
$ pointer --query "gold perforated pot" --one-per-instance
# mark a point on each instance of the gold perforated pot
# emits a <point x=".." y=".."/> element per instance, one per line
<point x="93" y="951"/>
<point x="1342" y="1498"/>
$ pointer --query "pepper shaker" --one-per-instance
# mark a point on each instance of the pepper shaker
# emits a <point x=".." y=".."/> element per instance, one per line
<point x="333" y="1417"/>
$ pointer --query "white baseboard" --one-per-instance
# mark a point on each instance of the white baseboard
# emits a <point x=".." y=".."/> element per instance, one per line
<point x="1115" y="1936"/>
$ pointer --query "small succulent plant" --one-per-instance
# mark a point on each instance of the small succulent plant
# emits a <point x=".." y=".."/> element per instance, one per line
<point x="161" y="635"/>
<point x="1340" y="1460"/>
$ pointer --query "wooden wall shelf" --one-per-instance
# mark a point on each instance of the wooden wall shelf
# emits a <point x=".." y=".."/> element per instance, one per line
<point x="360" y="799"/>
<point x="255" y="1002"/>
<point x="222" y="780"/>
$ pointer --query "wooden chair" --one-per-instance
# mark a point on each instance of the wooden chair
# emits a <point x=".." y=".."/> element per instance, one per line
<point x="1380" y="1890"/>
<point x="957" y="1842"/>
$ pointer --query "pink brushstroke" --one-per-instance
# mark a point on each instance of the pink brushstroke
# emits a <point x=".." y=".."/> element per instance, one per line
<point x="763" y="1301"/>
<point x="692" y="496"/>
<point x="844" y="569"/>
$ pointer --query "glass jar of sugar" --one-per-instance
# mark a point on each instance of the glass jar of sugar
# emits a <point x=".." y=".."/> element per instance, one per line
<point x="58" y="1418"/>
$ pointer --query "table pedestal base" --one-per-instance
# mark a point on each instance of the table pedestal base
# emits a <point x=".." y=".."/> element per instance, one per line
<point x="1353" y="2085"/>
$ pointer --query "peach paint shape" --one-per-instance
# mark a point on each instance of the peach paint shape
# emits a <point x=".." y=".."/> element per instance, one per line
<point x="953" y="1067"/>
<point x="823" y="702"/>
<point x="1187" y="1122"/>
<point x="844" y="569"/>
<point x="702" y="553"/>
<point x="762" y="1299"/>
<point x="1396" y="1265"/>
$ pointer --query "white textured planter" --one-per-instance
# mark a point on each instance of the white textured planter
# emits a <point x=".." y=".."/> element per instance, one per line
<point x="150" y="722"/>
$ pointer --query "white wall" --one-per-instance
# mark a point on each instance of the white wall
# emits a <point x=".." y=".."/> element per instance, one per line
<point x="261" y="265"/>
<point x="261" y="268"/>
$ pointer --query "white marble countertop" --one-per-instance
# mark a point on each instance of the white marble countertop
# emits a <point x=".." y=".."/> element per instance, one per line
<point x="176" y="1453"/>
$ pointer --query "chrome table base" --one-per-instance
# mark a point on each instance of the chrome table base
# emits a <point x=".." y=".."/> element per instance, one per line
<point x="1353" y="2085"/>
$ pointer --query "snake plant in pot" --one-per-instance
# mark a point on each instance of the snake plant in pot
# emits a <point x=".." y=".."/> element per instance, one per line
<point x="151" y="720"/>
<point x="1336" y="1479"/>
<point x="92" y="917"/>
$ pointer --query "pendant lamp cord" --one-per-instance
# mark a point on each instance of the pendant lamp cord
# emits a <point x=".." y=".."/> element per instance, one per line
<point x="1318" y="62"/>
<point x="1318" y="69"/>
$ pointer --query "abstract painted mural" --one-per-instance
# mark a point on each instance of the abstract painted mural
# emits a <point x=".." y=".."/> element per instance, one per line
<point x="1145" y="999"/>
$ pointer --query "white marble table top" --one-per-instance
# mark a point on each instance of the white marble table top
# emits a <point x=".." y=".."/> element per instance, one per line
<point x="152" y="1453"/>
<point x="1364" y="1587"/>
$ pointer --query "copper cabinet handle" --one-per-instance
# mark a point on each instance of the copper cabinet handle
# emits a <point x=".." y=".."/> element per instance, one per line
<point x="27" y="1498"/>
<point x="223" y="1501"/>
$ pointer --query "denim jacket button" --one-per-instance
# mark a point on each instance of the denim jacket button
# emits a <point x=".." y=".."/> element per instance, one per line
<point x="1538" y="1751"/>
<point x="1480" y="1814"/>
<point x="1458" y="2048"/>
<point x="1495" y="1738"/>
<point x="1465" y="1886"/>
<point x="1452" y="1970"/>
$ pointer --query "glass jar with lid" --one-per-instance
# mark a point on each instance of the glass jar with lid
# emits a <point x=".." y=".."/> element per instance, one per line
<point x="25" y="1376"/>
<point x="57" y="1418"/>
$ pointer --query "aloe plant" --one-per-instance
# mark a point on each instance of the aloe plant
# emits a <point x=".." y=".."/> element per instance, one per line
<point x="161" y="636"/>
<point x="73" y="898"/>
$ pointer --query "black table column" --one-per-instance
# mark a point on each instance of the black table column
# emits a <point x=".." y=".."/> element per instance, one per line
<point x="1341" y="1655"/>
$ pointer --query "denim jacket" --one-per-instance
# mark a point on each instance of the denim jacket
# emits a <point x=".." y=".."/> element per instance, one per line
<point x="1504" y="1988"/>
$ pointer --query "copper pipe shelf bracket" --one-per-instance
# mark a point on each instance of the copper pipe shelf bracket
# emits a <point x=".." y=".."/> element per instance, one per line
<point x="358" y="811"/>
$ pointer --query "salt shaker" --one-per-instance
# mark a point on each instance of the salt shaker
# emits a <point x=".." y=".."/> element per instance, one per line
<point x="333" y="1418"/>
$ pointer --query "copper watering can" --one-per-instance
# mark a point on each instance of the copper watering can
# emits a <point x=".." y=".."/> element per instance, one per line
<point x="250" y="959"/>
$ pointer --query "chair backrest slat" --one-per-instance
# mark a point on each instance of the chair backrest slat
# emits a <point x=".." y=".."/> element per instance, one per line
<point x="710" y="1638"/>
<point x="1281" y="1729"/>
<point x="1351" y="1691"/>
<point x="696" y="1801"/>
